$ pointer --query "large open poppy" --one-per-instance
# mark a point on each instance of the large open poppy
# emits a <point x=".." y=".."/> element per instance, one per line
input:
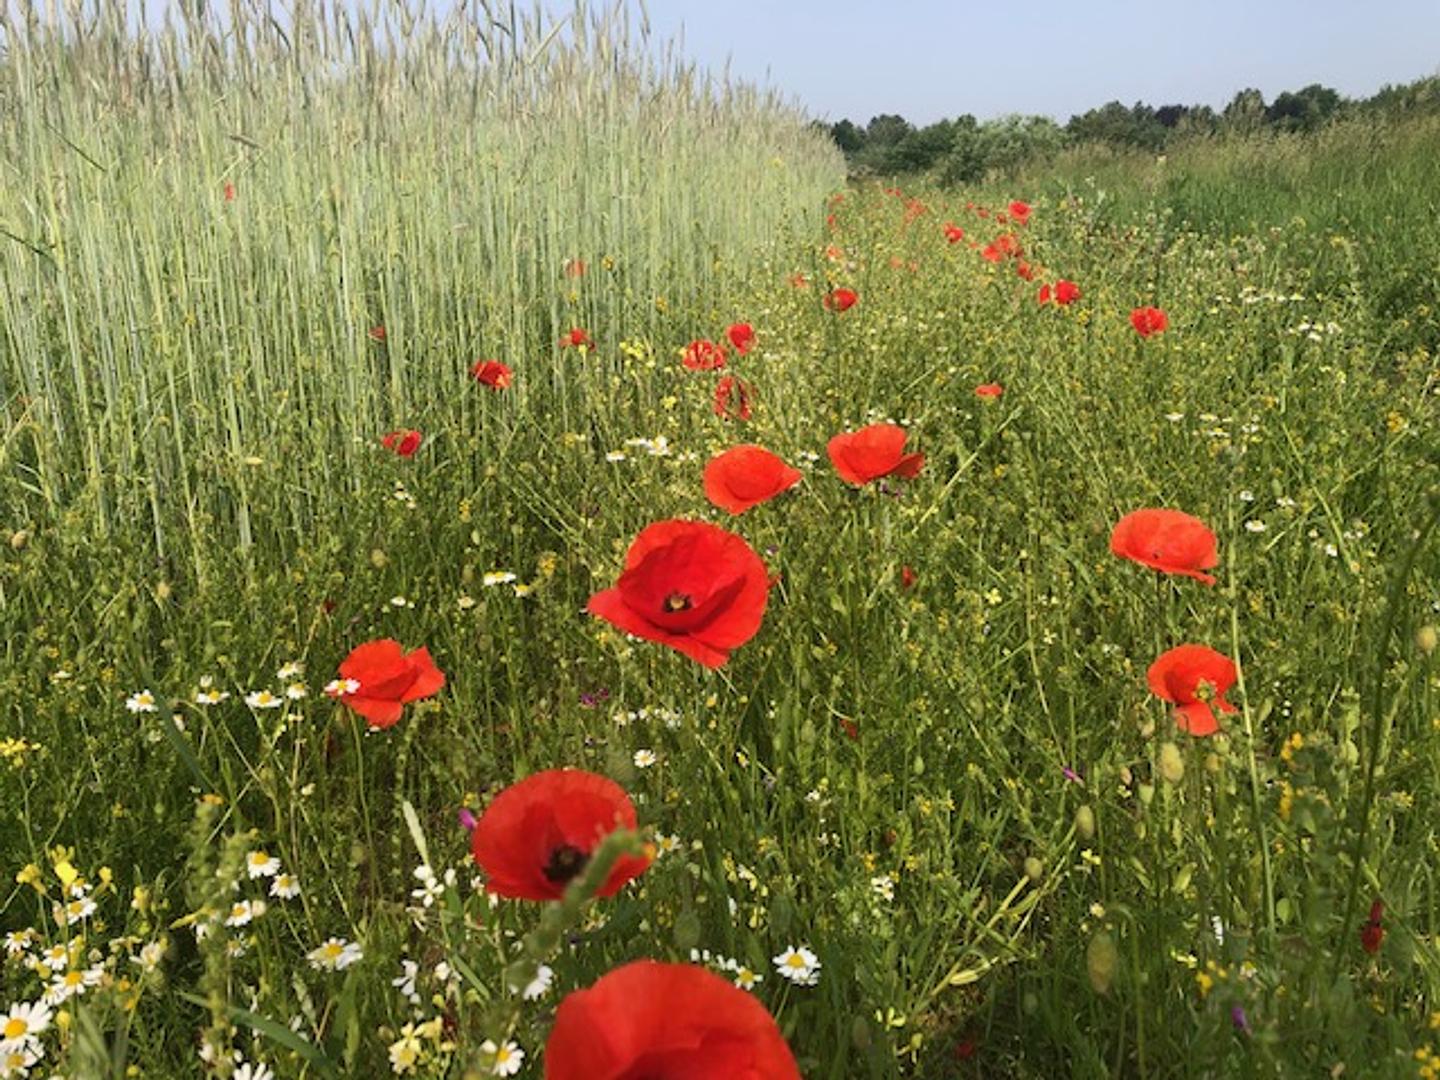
<point x="746" y="476"/>
<point x="873" y="452"/>
<point x="1019" y="212"/>
<point x="690" y="585"/>
<point x="538" y="835"/>
<point x="404" y="441"/>
<point x="741" y="335"/>
<point x="1194" y="679"/>
<point x="704" y="355"/>
<point x="840" y="299"/>
<point x="1148" y="320"/>
<point x="653" y="1021"/>
<point x="492" y="373"/>
<point x="378" y="678"/>
<point x="1170" y="541"/>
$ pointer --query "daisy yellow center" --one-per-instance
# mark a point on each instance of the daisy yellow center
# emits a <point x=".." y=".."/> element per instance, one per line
<point x="502" y="1055"/>
<point x="15" y="1027"/>
<point x="677" y="602"/>
<point x="74" y="978"/>
<point x="333" y="952"/>
<point x="796" y="961"/>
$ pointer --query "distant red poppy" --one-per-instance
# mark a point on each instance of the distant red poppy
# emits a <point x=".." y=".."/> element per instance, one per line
<point x="746" y="476"/>
<point x="953" y="232"/>
<point x="833" y="253"/>
<point x="1170" y="541"/>
<point x="404" y="441"/>
<point x="229" y="191"/>
<point x="1194" y="678"/>
<point x="913" y="209"/>
<point x="989" y="390"/>
<point x="732" y="398"/>
<point x="830" y="221"/>
<point x="850" y="727"/>
<point x="492" y="373"/>
<point x="538" y="835"/>
<point x="690" y="585"/>
<point x="1025" y="270"/>
<point x="1066" y="292"/>
<point x="648" y="1019"/>
<point x="1019" y="212"/>
<point x="1373" y="932"/>
<point x="1148" y="320"/>
<point x="704" y="355"/>
<point x="840" y="299"/>
<point x="741" y="336"/>
<point x="378" y="678"/>
<point x="872" y="452"/>
<point x="1006" y="244"/>
<point x="991" y="253"/>
<point x="799" y="281"/>
<point x="1043" y="296"/>
<point x="907" y="577"/>
<point x="575" y="268"/>
<point x="577" y="339"/>
<point x="376" y="333"/>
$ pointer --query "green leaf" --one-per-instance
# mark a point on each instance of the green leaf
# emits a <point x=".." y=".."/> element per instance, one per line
<point x="275" y="1032"/>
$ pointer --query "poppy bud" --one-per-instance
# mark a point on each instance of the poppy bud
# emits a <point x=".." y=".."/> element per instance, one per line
<point x="18" y="539"/>
<point x="1034" y="869"/>
<point x="1085" y="823"/>
<point x="1102" y="957"/>
<point x="378" y="559"/>
<point x="1172" y="765"/>
<point x="1426" y="638"/>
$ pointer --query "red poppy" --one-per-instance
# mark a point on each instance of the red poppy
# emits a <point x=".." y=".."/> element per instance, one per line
<point x="377" y="333"/>
<point x="1006" y="244"/>
<point x="1148" y="320"/>
<point x="690" y="585"/>
<point x="873" y="452"/>
<point x="732" y="398"/>
<point x="1066" y="292"/>
<point x="704" y="355"/>
<point x="538" y="835"/>
<point x="1019" y="212"/>
<point x="989" y="390"/>
<point x="953" y="232"/>
<point x="913" y="209"/>
<point x="575" y="268"/>
<point x="577" y="339"/>
<point x="1043" y="296"/>
<point x="907" y="577"/>
<point x="1170" y="541"/>
<point x="830" y="221"/>
<point x="840" y="299"/>
<point x="1373" y="932"/>
<point x="1194" y="678"/>
<point x="404" y="441"/>
<point x="991" y="253"/>
<point x="746" y="476"/>
<point x="850" y="727"/>
<point x="742" y="336"/>
<point x="492" y="373"/>
<point x="833" y="253"/>
<point x="648" y="1019"/>
<point x="229" y="191"/>
<point x="799" y="281"/>
<point x="1025" y="270"/>
<point x="379" y="677"/>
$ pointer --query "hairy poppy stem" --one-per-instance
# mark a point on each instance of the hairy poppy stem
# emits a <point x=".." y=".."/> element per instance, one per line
<point x="1376" y="730"/>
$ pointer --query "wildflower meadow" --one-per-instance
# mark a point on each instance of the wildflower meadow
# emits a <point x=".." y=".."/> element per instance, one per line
<point x="513" y="566"/>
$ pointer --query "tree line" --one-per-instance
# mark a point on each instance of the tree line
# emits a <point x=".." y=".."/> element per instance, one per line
<point x="964" y="150"/>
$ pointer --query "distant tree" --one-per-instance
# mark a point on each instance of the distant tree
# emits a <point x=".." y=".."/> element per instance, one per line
<point x="1303" y="110"/>
<point x="886" y="129"/>
<point x="998" y="146"/>
<point x="1118" y="125"/>
<point x="1169" y="116"/>
<point x="848" y="137"/>
<point x="1246" y="112"/>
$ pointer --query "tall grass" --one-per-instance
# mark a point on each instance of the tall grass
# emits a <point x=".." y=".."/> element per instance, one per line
<point x="434" y="175"/>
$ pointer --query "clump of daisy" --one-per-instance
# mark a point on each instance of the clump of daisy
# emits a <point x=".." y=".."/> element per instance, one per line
<point x="142" y="701"/>
<point x="507" y="1057"/>
<point x="263" y="699"/>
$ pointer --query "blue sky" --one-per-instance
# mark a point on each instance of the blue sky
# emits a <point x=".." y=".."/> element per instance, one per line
<point x="928" y="59"/>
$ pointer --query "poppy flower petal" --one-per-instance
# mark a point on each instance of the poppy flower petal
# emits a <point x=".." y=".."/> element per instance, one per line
<point x="1196" y="718"/>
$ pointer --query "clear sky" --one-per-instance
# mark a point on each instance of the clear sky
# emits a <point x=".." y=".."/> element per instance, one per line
<point x="930" y="59"/>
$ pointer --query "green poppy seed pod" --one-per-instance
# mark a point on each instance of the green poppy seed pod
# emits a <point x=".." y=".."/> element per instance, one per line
<point x="1085" y="823"/>
<point x="1212" y="764"/>
<point x="1147" y="793"/>
<point x="1126" y="776"/>
<point x="1102" y="957"/>
<point x="378" y="559"/>
<point x="1182" y="878"/>
<point x="1172" y="764"/>
<point x="1147" y="729"/>
<point x="1034" y="869"/>
<point x="1426" y="638"/>
<point x="19" y="538"/>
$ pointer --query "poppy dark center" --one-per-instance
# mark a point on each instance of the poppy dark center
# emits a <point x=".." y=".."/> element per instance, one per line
<point x="678" y="602"/>
<point x="566" y="863"/>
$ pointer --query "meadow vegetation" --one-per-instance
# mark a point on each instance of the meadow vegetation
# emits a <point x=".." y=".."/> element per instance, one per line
<point x="931" y="816"/>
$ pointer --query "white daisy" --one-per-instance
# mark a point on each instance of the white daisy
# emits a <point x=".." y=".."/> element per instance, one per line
<point x="261" y="864"/>
<point x="285" y="886"/>
<point x="405" y="981"/>
<point x="23" y="1025"/>
<point x="883" y="886"/>
<point x="296" y="690"/>
<point x="208" y="695"/>
<point x="496" y="577"/>
<point x="141" y="701"/>
<point x="799" y="965"/>
<point x="263" y="699"/>
<point x="291" y="670"/>
<point x="247" y="1071"/>
<point x="74" y="911"/>
<point x="336" y="954"/>
<point x="243" y="911"/>
<point x="72" y="984"/>
<point x="341" y="687"/>
<point x="508" y="1058"/>
<point x="539" y="986"/>
<point x="18" y="941"/>
<point x="645" y="758"/>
